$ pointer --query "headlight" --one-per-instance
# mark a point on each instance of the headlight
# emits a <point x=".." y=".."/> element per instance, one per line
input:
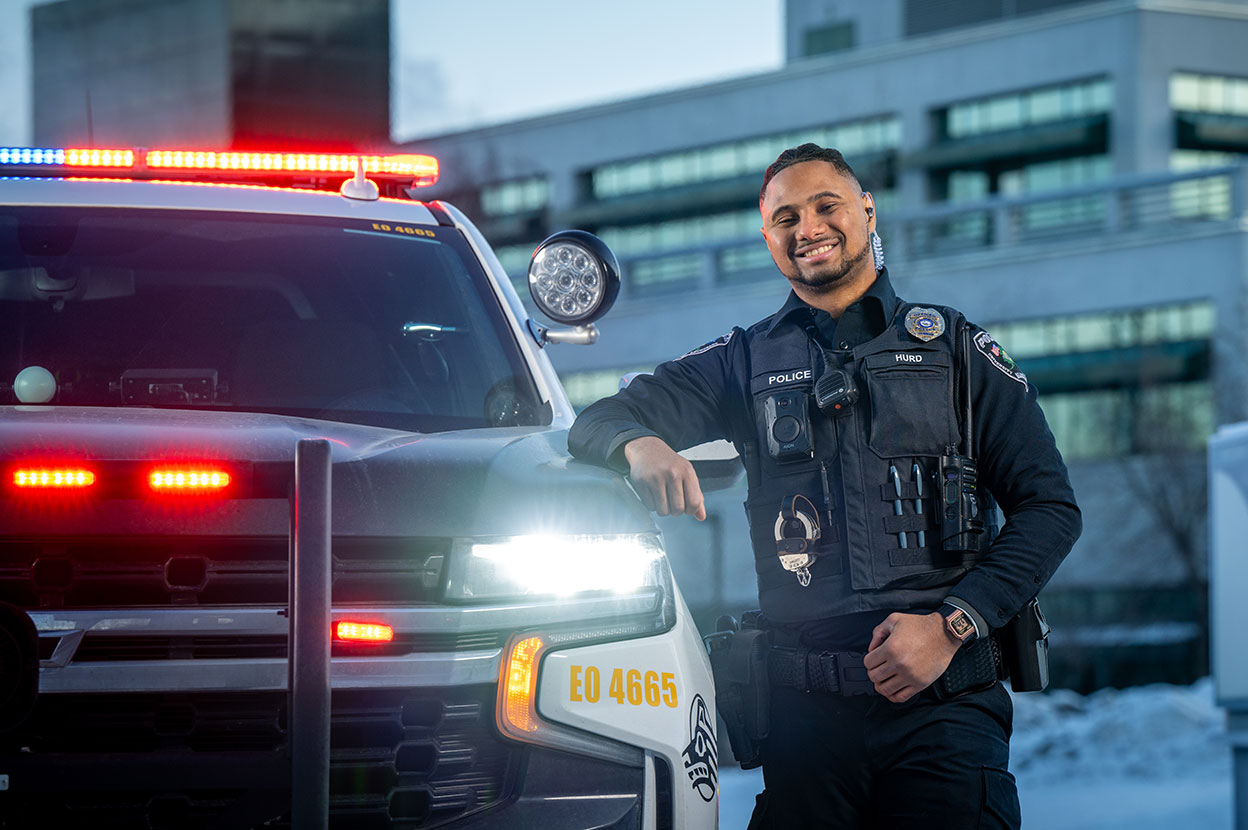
<point x="615" y="587"/>
<point x="513" y="567"/>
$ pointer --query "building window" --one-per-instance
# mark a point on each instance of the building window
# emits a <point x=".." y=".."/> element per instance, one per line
<point x="1025" y="109"/>
<point x="1219" y="94"/>
<point x="739" y="158"/>
<point x="584" y="388"/>
<point x="826" y="40"/>
<point x="1123" y="382"/>
<point x="695" y="231"/>
<point x="517" y="196"/>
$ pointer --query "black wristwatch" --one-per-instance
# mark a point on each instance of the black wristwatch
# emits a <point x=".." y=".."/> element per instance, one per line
<point x="958" y="623"/>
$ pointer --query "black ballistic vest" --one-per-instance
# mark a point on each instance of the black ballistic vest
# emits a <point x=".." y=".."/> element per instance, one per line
<point x="904" y="419"/>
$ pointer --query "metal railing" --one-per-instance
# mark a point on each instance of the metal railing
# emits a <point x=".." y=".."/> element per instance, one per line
<point x="1153" y="205"/>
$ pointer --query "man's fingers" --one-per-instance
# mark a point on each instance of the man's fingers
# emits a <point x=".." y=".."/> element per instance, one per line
<point x="695" y="504"/>
<point x="879" y="635"/>
<point x="902" y="695"/>
<point x="676" y="495"/>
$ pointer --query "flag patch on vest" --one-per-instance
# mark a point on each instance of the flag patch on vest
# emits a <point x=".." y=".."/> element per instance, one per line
<point x="999" y="357"/>
<point x="722" y="340"/>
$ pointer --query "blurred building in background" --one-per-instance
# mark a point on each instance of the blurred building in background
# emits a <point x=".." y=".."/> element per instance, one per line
<point x="212" y="73"/>
<point x="1066" y="172"/>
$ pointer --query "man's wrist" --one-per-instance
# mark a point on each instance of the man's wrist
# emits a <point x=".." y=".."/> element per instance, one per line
<point x="958" y="624"/>
<point x="981" y="625"/>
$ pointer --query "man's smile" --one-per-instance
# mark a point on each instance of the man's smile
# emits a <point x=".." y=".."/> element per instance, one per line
<point x="817" y="254"/>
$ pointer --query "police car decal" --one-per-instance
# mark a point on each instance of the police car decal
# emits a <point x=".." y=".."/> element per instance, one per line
<point x="998" y="357"/>
<point x="722" y="340"/>
<point x="702" y="755"/>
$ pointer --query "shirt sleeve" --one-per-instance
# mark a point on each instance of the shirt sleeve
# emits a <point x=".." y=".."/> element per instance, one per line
<point x="1021" y="467"/>
<point x="688" y="401"/>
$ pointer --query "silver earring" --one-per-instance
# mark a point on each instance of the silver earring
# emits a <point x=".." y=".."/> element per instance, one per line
<point x="877" y="250"/>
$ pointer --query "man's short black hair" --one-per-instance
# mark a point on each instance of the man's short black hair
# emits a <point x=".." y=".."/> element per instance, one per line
<point x="806" y="152"/>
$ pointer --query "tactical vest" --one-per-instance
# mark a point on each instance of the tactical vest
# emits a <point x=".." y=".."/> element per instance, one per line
<point x="904" y="420"/>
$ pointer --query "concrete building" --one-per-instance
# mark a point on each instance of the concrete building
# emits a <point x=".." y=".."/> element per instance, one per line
<point x="1068" y="173"/>
<point x="211" y="73"/>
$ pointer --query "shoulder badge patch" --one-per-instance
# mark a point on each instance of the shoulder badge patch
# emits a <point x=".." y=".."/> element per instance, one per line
<point x="998" y="357"/>
<point x="722" y="340"/>
<point x="925" y="323"/>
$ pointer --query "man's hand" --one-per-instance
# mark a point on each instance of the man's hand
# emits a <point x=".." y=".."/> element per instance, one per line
<point x="665" y="481"/>
<point x="907" y="653"/>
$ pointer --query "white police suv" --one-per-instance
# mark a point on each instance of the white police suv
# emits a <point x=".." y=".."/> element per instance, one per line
<point x="213" y="365"/>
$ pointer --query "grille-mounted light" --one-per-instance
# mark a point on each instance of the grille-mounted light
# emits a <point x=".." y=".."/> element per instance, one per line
<point x="359" y="632"/>
<point x="518" y="689"/>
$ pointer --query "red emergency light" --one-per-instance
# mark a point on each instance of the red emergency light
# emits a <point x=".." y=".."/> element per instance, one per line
<point x="53" y="478"/>
<point x="359" y="632"/>
<point x="188" y="480"/>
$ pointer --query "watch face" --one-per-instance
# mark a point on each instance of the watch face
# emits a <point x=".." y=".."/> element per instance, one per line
<point x="960" y="624"/>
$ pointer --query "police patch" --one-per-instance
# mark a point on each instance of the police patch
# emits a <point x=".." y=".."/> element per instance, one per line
<point x="925" y="323"/>
<point x="999" y="357"/>
<point x="722" y="340"/>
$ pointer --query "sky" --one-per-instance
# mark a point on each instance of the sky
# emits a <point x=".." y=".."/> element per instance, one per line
<point x="464" y="64"/>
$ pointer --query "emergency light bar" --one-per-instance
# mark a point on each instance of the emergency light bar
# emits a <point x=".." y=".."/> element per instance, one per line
<point x="415" y="169"/>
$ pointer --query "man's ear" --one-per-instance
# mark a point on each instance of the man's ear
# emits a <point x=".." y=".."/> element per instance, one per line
<point x="868" y="205"/>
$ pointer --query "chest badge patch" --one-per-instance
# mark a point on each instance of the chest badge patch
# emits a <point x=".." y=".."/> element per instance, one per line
<point x="998" y="357"/>
<point x="925" y="323"/>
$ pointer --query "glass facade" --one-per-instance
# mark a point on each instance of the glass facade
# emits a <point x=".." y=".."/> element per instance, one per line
<point x="1026" y="109"/>
<point x="516" y="196"/>
<point x="1150" y="407"/>
<point x="739" y="158"/>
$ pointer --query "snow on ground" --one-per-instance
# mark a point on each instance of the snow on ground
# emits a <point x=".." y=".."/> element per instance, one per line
<point x="1144" y="758"/>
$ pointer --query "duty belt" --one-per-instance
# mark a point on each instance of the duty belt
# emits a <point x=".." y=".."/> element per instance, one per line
<point x="975" y="666"/>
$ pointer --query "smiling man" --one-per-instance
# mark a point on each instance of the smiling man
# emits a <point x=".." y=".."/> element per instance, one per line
<point x="883" y="582"/>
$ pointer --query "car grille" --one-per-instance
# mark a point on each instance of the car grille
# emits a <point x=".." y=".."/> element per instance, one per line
<point x="399" y="758"/>
<point x="97" y="647"/>
<point x="205" y="571"/>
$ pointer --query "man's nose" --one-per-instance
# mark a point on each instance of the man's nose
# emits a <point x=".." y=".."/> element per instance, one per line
<point x="811" y="226"/>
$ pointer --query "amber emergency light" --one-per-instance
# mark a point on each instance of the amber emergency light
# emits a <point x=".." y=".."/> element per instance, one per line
<point x="518" y="708"/>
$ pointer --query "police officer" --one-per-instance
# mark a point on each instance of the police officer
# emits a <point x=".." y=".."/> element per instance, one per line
<point x="845" y="406"/>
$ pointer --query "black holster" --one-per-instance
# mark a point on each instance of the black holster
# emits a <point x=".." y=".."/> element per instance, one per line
<point x="739" y="665"/>
<point x="1025" y="647"/>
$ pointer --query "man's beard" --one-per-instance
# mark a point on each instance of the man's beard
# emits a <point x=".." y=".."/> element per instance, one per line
<point x="826" y="280"/>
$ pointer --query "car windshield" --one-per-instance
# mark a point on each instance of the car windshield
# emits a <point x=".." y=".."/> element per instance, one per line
<point x="339" y="319"/>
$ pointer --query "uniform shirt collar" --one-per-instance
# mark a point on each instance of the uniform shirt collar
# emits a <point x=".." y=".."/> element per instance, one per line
<point x="865" y="319"/>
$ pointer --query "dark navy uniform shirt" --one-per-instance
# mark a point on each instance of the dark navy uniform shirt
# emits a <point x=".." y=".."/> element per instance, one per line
<point x="704" y="396"/>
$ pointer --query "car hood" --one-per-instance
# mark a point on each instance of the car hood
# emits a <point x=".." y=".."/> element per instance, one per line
<point x="483" y="482"/>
